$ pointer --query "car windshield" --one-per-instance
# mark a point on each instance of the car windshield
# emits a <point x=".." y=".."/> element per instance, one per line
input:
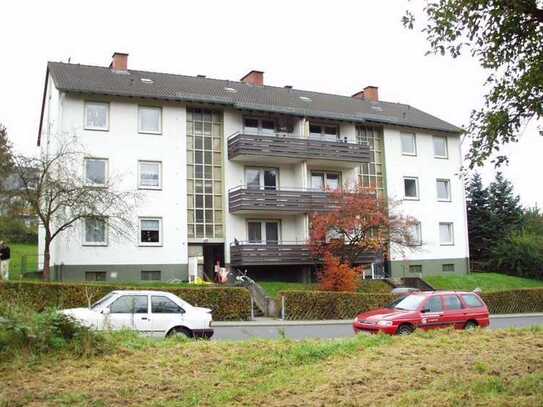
<point x="410" y="303"/>
<point x="101" y="301"/>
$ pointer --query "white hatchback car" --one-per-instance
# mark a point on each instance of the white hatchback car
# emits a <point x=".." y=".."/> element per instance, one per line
<point x="154" y="313"/>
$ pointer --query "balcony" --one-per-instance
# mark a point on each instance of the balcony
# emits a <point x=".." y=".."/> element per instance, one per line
<point x="285" y="147"/>
<point x="288" y="201"/>
<point x="278" y="253"/>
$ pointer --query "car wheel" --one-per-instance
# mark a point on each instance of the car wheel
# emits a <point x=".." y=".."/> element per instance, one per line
<point x="470" y="325"/>
<point x="404" y="330"/>
<point x="179" y="332"/>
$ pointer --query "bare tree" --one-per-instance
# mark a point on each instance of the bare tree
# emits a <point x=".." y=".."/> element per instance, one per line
<point x="57" y="190"/>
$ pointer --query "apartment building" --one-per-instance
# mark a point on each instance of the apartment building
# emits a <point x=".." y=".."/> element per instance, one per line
<point x="230" y="171"/>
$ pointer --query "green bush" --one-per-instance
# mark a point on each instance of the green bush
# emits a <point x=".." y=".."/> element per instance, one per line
<point x="312" y="305"/>
<point x="227" y="303"/>
<point x="521" y="254"/>
<point x="14" y="230"/>
<point x="514" y="301"/>
<point x="25" y="332"/>
<point x="374" y="287"/>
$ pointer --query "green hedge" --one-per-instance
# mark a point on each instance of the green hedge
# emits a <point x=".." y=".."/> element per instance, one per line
<point x="227" y="303"/>
<point x="514" y="301"/>
<point x="312" y="305"/>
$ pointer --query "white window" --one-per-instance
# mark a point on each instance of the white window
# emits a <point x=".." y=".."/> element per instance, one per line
<point x="150" y="119"/>
<point x="324" y="132"/>
<point x="96" y="116"/>
<point x="259" y="126"/>
<point x="415" y="234"/>
<point x="411" y="188"/>
<point x="262" y="178"/>
<point x="94" y="233"/>
<point x="443" y="189"/>
<point x="329" y="181"/>
<point x="150" y="174"/>
<point x="150" y="232"/>
<point x="260" y="231"/>
<point x="409" y="144"/>
<point x="96" y="171"/>
<point x="440" y="147"/>
<point x="446" y="236"/>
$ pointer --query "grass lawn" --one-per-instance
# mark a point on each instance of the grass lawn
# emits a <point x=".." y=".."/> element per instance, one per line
<point x="485" y="281"/>
<point x="17" y="253"/>
<point x="273" y="287"/>
<point x="483" y="368"/>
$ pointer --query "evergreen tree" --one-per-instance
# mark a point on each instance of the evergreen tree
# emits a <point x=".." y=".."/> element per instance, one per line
<point x="6" y="161"/>
<point x="505" y="207"/>
<point x="480" y="225"/>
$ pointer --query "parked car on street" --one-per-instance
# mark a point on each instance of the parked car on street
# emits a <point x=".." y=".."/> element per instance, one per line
<point x="425" y="310"/>
<point x="154" y="313"/>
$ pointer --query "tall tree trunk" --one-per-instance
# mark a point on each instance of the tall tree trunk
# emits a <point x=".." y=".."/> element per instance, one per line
<point x="46" y="257"/>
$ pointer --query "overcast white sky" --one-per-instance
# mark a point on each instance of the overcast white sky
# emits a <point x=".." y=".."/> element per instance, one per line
<point x="329" y="46"/>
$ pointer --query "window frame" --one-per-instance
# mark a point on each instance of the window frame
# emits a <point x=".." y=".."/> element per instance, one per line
<point x="263" y="233"/>
<point x="324" y="174"/>
<point x="84" y="241"/>
<point x="448" y="181"/>
<point x="323" y="136"/>
<point x="419" y="229"/>
<point x="160" y="129"/>
<point x="151" y="271"/>
<point x="443" y="157"/>
<point x="446" y="304"/>
<point x="85" y="116"/>
<point x="95" y="273"/>
<point x="106" y="172"/>
<point x="417" y="197"/>
<point x="414" y="137"/>
<point x="148" y="187"/>
<point x="160" y="232"/>
<point x="259" y="128"/>
<point x="451" y="242"/>
<point x="448" y="271"/>
<point x="414" y="265"/>
<point x="261" y="177"/>
<point x="150" y="308"/>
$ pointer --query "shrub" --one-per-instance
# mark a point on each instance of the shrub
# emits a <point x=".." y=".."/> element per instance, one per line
<point x="312" y="305"/>
<point x="521" y="254"/>
<point x="374" y="287"/>
<point x="514" y="301"/>
<point x="24" y="331"/>
<point x="227" y="303"/>
<point x="337" y="276"/>
<point x="14" y="230"/>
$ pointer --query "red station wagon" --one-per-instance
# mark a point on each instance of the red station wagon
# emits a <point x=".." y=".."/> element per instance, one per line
<point x="425" y="310"/>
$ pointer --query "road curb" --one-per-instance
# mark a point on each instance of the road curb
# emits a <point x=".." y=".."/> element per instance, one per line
<point x="279" y="322"/>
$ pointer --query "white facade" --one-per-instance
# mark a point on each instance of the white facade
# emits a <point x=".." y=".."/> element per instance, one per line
<point x="123" y="145"/>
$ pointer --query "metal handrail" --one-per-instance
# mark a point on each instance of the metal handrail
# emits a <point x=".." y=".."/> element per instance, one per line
<point x="278" y="189"/>
<point x="270" y="243"/>
<point x="324" y="139"/>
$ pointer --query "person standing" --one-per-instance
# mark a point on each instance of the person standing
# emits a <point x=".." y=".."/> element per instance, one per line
<point x="5" y="255"/>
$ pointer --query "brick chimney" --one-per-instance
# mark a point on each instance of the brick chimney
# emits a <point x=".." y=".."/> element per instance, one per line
<point x="254" y="78"/>
<point x="370" y="93"/>
<point x="119" y="62"/>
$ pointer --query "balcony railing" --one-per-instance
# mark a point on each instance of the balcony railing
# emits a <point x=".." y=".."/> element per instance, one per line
<point x="288" y="200"/>
<point x="288" y="146"/>
<point x="278" y="253"/>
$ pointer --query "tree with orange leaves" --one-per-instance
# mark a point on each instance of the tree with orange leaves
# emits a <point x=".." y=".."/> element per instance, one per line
<point x="358" y="222"/>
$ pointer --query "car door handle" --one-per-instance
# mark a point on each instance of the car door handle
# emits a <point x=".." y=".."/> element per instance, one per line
<point x="144" y="318"/>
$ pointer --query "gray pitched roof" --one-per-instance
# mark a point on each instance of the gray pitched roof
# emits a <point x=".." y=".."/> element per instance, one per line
<point x="101" y="80"/>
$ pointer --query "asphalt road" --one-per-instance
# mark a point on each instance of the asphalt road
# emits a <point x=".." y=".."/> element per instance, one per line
<point x="270" y="329"/>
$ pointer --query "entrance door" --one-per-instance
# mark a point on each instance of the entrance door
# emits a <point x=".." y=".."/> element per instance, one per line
<point x="213" y="253"/>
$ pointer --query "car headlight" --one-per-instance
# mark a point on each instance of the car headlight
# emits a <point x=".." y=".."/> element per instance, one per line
<point x="384" y="322"/>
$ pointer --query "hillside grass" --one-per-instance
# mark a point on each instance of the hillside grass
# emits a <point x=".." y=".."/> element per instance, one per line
<point x="484" y="281"/>
<point x="17" y="253"/>
<point x="445" y="368"/>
